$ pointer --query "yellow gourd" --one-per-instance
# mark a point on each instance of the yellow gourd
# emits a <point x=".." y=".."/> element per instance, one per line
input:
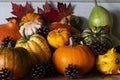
<point x="58" y="37"/>
<point x="109" y="63"/>
<point x="31" y="17"/>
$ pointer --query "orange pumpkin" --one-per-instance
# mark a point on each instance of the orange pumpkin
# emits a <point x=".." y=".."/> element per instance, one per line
<point x="10" y="29"/>
<point x="17" y="60"/>
<point x="80" y="55"/>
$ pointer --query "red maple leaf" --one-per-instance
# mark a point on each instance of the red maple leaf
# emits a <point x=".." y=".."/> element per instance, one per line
<point x="64" y="10"/>
<point x="19" y="10"/>
<point x="54" y="14"/>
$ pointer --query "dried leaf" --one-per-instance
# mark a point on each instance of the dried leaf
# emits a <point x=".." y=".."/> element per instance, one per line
<point x="19" y="10"/>
<point x="61" y="7"/>
<point x="47" y="7"/>
<point x="40" y="11"/>
<point x="48" y="11"/>
<point x="54" y="14"/>
<point x="28" y="8"/>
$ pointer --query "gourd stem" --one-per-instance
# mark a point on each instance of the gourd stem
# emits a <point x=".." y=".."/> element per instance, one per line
<point x="25" y="37"/>
<point x="95" y="2"/>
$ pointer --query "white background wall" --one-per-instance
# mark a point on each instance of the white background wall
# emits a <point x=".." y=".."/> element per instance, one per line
<point x="82" y="9"/>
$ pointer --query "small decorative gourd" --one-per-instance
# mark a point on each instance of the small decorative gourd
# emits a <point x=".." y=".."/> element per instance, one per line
<point x="31" y="17"/>
<point x="37" y="47"/>
<point x="30" y="27"/>
<point x="97" y="34"/>
<point x="109" y="63"/>
<point x="58" y="37"/>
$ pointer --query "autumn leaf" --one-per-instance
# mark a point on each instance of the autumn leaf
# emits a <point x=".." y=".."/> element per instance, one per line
<point x="55" y="14"/>
<point x="64" y="10"/>
<point x="28" y="8"/>
<point x="19" y="10"/>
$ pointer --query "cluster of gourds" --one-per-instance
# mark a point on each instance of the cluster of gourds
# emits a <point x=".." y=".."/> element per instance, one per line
<point x="32" y="48"/>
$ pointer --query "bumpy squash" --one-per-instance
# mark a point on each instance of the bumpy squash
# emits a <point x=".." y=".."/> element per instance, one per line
<point x="30" y="27"/>
<point x="58" y="37"/>
<point x="31" y="17"/>
<point x="17" y="60"/>
<point x="37" y="47"/>
<point x="79" y="55"/>
<point x="109" y="63"/>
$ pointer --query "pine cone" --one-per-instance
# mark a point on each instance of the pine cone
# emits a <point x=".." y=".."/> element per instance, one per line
<point x="43" y="31"/>
<point x="38" y="71"/>
<point x="50" y="69"/>
<point x="99" y="47"/>
<point x="5" y="74"/>
<point x="72" y="71"/>
<point x="8" y="42"/>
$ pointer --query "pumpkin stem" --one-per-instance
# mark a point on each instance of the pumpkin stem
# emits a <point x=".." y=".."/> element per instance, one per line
<point x="71" y="42"/>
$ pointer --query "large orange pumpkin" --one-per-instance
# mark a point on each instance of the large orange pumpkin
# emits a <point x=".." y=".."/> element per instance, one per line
<point x="80" y="55"/>
<point x="10" y="29"/>
<point x="17" y="60"/>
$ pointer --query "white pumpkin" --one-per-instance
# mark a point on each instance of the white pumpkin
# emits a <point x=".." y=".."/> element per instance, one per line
<point x="30" y="28"/>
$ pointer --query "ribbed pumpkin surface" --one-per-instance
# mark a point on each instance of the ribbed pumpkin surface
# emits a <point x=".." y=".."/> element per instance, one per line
<point x="17" y="60"/>
<point x="80" y="55"/>
<point x="37" y="46"/>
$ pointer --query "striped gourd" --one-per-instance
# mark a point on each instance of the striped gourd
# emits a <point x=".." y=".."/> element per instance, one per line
<point x="97" y="33"/>
<point x="37" y="46"/>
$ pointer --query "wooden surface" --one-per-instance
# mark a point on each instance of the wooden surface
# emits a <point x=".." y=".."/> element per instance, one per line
<point x="90" y="76"/>
<point x="86" y="77"/>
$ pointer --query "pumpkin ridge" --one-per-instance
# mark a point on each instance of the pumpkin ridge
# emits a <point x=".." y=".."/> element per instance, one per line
<point x="90" y="54"/>
<point x="42" y="42"/>
<point x="13" y="60"/>
<point x="31" y="51"/>
<point x="43" y="52"/>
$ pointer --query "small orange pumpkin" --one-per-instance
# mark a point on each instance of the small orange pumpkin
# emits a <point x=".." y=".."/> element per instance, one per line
<point x="80" y="55"/>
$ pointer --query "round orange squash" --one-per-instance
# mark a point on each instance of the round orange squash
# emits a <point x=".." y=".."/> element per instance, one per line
<point x="11" y="29"/>
<point x="17" y="60"/>
<point x="80" y="55"/>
